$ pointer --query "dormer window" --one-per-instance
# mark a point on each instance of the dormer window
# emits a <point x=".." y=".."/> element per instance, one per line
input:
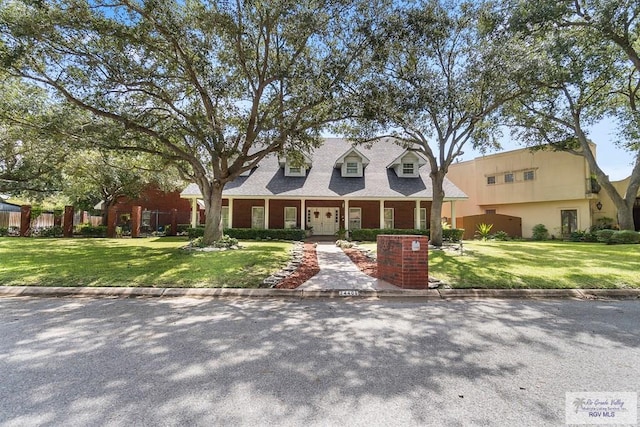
<point x="352" y="164"/>
<point x="407" y="165"/>
<point x="297" y="166"/>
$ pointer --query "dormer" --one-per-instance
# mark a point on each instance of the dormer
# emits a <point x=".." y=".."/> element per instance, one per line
<point x="352" y="163"/>
<point x="407" y="164"/>
<point x="295" y="164"/>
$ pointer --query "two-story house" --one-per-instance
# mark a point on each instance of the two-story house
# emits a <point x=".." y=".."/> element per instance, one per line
<point x="338" y="186"/>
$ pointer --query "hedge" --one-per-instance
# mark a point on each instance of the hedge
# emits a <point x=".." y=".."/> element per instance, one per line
<point x="371" y="234"/>
<point x="254" y="233"/>
<point x="93" y="231"/>
<point x="624" y="237"/>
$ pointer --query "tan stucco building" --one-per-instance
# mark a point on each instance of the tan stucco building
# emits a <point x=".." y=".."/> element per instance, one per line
<point x="541" y="187"/>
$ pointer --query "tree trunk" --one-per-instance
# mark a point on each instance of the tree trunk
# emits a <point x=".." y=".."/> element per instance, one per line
<point x="435" y="226"/>
<point x="213" y="213"/>
<point x="624" y="206"/>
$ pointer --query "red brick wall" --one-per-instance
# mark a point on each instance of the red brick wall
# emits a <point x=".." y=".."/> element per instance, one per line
<point x="154" y="199"/>
<point x="400" y="265"/>
<point x="276" y="212"/>
<point x="403" y="213"/>
<point x="370" y="212"/>
<point x="242" y="211"/>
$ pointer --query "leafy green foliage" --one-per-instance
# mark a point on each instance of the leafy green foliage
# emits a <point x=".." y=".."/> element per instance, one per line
<point x="371" y="234"/>
<point x="213" y="87"/>
<point x="254" y="233"/>
<point x="438" y="80"/>
<point x="540" y="232"/>
<point x="483" y="231"/>
<point x="604" y="236"/>
<point x="88" y="230"/>
<point x="502" y="236"/>
<point x="625" y="237"/>
<point x="55" y="231"/>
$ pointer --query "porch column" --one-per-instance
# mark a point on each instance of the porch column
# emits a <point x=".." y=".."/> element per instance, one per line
<point x="346" y="216"/>
<point x="194" y="212"/>
<point x="381" y="214"/>
<point x="416" y="215"/>
<point x="230" y="221"/>
<point x="266" y="213"/>
<point x="453" y="214"/>
<point x="303" y="214"/>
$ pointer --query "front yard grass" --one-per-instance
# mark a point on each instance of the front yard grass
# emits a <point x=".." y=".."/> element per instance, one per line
<point x="524" y="264"/>
<point x="135" y="262"/>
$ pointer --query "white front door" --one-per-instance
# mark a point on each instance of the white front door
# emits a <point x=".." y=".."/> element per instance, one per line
<point x="325" y="221"/>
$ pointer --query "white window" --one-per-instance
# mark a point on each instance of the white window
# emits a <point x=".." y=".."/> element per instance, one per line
<point x="422" y="225"/>
<point x="355" y="218"/>
<point x="490" y="211"/>
<point x="225" y="217"/>
<point x="290" y="217"/>
<point x="508" y="177"/>
<point x="352" y="168"/>
<point x="408" y="169"/>
<point x="529" y="175"/>
<point x="388" y="218"/>
<point x="491" y="180"/>
<point x="294" y="170"/>
<point x="257" y="217"/>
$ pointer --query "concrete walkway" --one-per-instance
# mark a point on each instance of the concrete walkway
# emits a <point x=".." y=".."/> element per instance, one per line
<point x="337" y="271"/>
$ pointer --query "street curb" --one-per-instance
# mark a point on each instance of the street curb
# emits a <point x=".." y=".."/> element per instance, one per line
<point x="414" y="294"/>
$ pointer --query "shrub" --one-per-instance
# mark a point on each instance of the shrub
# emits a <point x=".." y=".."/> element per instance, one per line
<point x="452" y="234"/>
<point x="254" y="233"/>
<point x="483" y="230"/>
<point x="604" y="236"/>
<point x="4" y="231"/>
<point x="55" y="231"/>
<point x="590" y="237"/>
<point x="88" y="230"/>
<point x="540" y="232"/>
<point x="194" y="233"/>
<point x="625" y="237"/>
<point x="501" y="236"/>
<point x="263" y="234"/>
<point x="371" y="234"/>
<point x="577" y="236"/>
<point x="604" y="223"/>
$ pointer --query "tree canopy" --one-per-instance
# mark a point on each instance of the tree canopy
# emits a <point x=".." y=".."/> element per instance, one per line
<point x="212" y="86"/>
<point x="588" y="70"/>
<point x="438" y="82"/>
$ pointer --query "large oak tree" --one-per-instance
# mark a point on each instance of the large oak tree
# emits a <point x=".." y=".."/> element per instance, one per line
<point x="214" y="86"/>
<point x="440" y="80"/>
<point x="589" y="70"/>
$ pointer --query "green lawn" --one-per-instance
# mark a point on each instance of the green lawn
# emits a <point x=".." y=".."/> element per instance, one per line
<point x="135" y="262"/>
<point x="523" y="264"/>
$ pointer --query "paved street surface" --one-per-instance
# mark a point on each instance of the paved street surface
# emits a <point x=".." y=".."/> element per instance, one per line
<point x="123" y="362"/>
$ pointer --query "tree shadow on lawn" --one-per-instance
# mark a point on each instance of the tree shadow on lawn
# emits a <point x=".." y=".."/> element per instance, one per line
<point x="208" y="362"/>
<point x="551" y="266"/>
<point x="115" y="262"/>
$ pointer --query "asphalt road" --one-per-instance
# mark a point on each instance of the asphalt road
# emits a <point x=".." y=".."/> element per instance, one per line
<point x="123" y="362"/>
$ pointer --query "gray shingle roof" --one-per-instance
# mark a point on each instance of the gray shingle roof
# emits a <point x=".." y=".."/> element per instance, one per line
<point x="323" y="180"/>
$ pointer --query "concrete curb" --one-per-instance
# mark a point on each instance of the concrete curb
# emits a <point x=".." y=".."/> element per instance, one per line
<point x="417" y="294"/>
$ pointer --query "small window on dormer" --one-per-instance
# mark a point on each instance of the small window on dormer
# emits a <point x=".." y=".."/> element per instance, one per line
<point x="352" y="168"/>
<point x="408" y="169"/>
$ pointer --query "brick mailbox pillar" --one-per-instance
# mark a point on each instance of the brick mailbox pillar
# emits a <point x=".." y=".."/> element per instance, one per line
<point x="136" y="220"/>
<point x="67" y="223"/>
<point x="403" y="260"/>
<point x="25" y="220"/>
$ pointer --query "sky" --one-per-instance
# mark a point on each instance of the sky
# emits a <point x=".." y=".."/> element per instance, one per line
<point x="615" y="162"/>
